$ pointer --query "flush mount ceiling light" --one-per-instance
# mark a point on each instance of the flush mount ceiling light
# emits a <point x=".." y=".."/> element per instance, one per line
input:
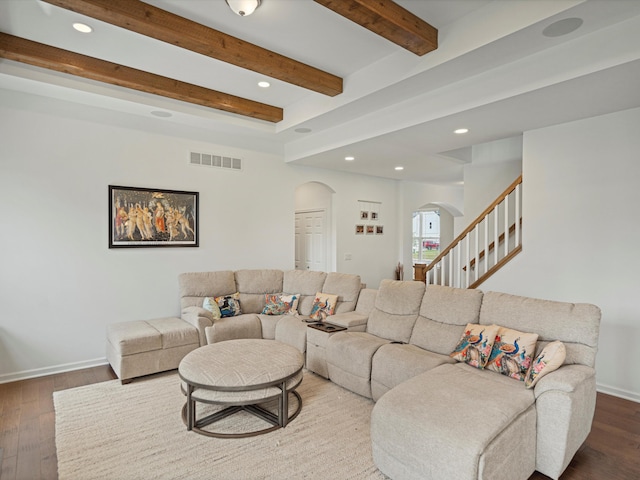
<point x="460" y="131"/>
<point x="161" y="114"/>
<point x="243" y="7"/>
<point x="264" y="84"/>
<point x="562" y="27"/>
<point x="349" y="158"/>
<point x="82" y="27"/>
<point x="399" y="168"/>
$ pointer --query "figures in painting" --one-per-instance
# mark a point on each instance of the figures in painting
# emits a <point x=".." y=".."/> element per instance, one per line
<point x="152" y="216"/>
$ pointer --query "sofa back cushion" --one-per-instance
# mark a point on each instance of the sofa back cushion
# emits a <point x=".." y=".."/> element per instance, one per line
<point x="577" y="325"/>
<point x="305" y="282"/>
<point x="444" y="312"/>
<point x="366" y="301"/>
<point x="254" y="284"/>
<point x="396" y="309"/>
<point x="346" y="286"/>
<point x="195" y="286"/>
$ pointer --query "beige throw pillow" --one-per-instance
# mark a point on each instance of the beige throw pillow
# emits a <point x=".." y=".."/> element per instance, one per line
<point x="550" y="358"/>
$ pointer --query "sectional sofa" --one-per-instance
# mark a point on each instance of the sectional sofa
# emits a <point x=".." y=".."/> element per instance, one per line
<point x="414" y="351"/>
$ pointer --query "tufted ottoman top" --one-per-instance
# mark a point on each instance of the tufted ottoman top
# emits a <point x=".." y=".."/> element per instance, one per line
<point x="240" y="365"/>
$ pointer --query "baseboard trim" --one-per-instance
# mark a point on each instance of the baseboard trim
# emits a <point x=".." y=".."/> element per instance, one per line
<point x="42" y="372"/>
<point x="618" y="392"/>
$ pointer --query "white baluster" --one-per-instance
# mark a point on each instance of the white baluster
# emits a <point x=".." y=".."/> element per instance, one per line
<point x="517" y="242"/>
<point x="496" y="238"/>
<point x="506" y="225"/>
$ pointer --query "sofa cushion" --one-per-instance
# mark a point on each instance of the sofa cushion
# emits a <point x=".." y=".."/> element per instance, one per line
<point x="195" y="286"/>
<point x="394" y="363"/>
<point x="477" y="423"/>
<point x="349" y="357"/>
<point x="232" y="328"/>
<point x="129" y="338"/>
<point x="305" y="282"/>
<point x="396" y="309"/>
<point x="323" y="305"/>
<point x="347" y="286"/>
<point x="280" y="304"/>
<point x="512" y="352"/>
<point x="577" y="325"/>
<point x="254" y="284"/>
<point x="444" y="312"/>
<point x="551" y="358"/>
<point x="475" y="345"/>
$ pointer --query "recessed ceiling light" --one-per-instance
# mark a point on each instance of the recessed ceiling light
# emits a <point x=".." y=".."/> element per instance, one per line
<point x="349" y="158"/>
<point x="562" y="27"/>
<point x="264" y="84"/>
<point x="399" y="168"/>
<point x="82" y="27"/>
<point x="460" y="131"/>
<point x="162" y="114"/>
<point x="302" y="130"/>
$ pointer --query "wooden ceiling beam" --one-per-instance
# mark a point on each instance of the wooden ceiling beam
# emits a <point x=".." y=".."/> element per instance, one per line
<point x="41" y="55"/>
<point x="389" y="20"/>
<point x="154" y="22"/>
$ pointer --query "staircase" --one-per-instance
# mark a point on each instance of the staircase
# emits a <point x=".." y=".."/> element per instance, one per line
<point x="487" y="244"/>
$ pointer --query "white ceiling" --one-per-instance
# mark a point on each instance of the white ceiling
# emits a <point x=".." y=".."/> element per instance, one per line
<point x="494" y="73"/>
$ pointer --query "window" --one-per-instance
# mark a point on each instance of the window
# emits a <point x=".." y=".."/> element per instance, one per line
<point x="426" y="235"/>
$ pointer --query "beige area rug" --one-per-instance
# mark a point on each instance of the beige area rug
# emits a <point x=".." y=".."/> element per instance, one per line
<point x="135" y="432"/>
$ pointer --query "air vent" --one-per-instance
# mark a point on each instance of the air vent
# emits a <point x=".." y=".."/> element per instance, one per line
<point x="216" y="161"/>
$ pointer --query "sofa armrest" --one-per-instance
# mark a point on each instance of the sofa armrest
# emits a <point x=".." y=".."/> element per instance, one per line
<point x="352" y="320"/>
<point x="565" y="404"/>
<point x="566" y="379"/>
<point x="199" y="318"/>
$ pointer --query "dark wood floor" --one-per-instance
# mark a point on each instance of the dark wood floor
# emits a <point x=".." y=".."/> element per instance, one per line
<point x="27" y="439"/>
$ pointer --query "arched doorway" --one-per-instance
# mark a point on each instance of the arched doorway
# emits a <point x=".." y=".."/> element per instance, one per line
<point x="314" y="242"/>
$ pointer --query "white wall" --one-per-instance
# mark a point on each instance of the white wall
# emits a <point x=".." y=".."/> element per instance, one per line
<point x="59" y="283"/>
<point x="581" y="233"/>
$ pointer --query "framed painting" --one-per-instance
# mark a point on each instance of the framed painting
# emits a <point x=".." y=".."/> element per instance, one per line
<point x="147" y="217"/>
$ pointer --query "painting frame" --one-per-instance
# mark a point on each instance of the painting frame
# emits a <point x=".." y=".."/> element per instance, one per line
<point x="141" y="217"/>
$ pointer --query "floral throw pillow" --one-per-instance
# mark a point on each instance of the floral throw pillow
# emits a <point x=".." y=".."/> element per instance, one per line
<point x="323" y="305"/>
<point x="475" y="345"/>
<point x="278" y="304"/>
<point x="229" y="305"/>
<point x="210" y="304"/>
<point x="512" y="352"/>
<point x="550" y="358"/>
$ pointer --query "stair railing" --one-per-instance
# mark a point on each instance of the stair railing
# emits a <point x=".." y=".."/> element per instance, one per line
<point x="485" y="246"/>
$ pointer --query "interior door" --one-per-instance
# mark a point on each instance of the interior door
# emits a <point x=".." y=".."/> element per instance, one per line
<point x="310" y="241"/>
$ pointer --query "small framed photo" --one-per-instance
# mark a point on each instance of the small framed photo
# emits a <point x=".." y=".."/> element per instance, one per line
<point x="379" y="230"/>
<point x="370" y="229"/>
<point x="149" y="217"/>
<point x="364" y="215"/>
<point x="359" y="229"/>
<point x="374" y="215"/>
